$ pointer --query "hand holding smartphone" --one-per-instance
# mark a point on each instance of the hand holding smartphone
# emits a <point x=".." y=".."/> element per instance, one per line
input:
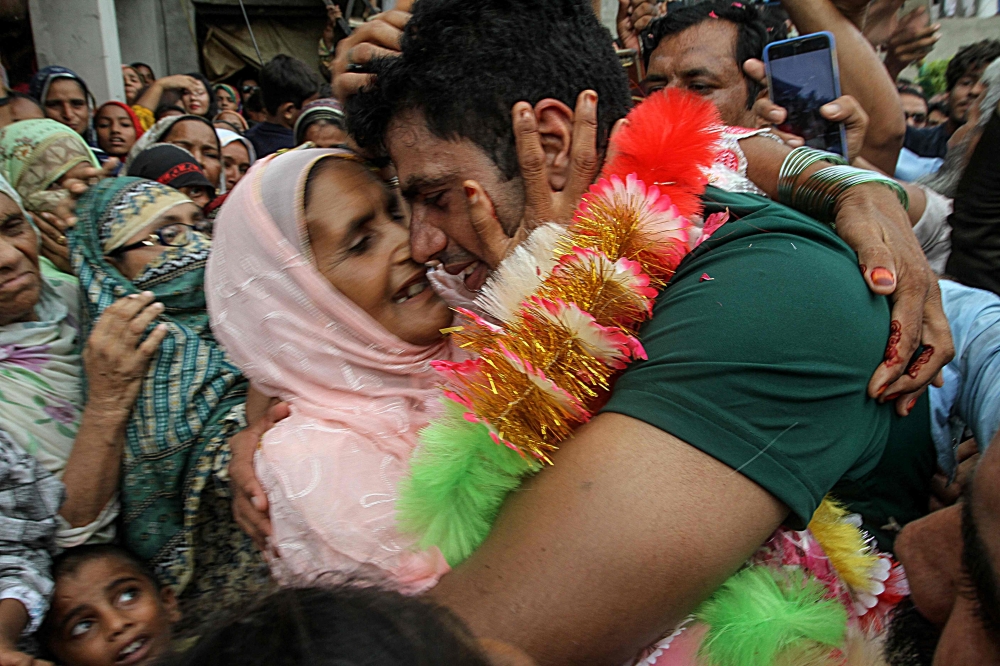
<point x="802" y="76"/>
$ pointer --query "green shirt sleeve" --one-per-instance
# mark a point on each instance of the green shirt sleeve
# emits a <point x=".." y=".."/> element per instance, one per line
<point x="760" y="351"/>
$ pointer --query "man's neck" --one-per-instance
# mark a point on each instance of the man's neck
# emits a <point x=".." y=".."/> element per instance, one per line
<point x="278" y="120"/>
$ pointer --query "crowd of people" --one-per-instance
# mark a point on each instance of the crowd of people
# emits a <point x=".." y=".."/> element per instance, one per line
<point x="261" y="343"/>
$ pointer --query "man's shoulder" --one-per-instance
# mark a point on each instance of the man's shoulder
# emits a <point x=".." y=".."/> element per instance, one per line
<point x="759" y="353"/>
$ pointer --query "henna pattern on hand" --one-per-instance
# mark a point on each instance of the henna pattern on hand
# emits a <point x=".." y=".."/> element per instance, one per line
<point x="895" y="335"/>
<point x="920" y="361"/>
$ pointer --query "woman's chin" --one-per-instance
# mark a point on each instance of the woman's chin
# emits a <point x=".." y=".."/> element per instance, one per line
<point x="422" y="322"/>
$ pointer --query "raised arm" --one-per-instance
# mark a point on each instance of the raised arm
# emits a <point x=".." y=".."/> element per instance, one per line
<point x="151" y="98"/>
<point x="862" y="76"/>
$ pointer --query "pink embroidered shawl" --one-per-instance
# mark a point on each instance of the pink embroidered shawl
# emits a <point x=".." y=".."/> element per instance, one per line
<point x="358" y="394"/>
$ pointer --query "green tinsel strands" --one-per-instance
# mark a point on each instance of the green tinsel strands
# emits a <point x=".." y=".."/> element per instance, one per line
<point x="760" y="616"/>
<point x="458" y="479"/>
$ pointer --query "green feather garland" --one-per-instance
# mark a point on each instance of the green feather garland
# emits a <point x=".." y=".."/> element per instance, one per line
<point x="458" y="479"/>
<point x="760" y="613"/>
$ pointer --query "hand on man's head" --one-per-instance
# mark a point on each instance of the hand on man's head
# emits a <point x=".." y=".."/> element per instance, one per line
<point x="542" y="203"/>
<point x="378" y="37"/>
<point x="633" y="17"/>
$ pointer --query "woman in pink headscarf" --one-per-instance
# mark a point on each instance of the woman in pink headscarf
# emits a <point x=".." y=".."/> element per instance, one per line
<point x="312" y="291"/>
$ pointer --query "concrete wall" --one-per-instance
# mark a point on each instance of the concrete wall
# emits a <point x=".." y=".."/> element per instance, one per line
<point x="158" y="32"/>
<point x="83" y="36"/>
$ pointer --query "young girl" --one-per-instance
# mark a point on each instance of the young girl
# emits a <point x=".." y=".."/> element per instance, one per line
<point x="312" y="291"/>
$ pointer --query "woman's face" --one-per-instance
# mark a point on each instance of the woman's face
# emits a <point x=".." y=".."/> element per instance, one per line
<point x="200" y="140"/>
<point x="236" y="161"/>
<point x="20" y="281"/>
<point x="115" y="131"/>
<point x="196" y="100"/>
<point x="224" y="101"/>
<point x="131" y="264"/>
<point x="325" y="134"/>
<point x="133" y="83"/>
<point x="66" y="102"/>
<point x="361" y="244"/>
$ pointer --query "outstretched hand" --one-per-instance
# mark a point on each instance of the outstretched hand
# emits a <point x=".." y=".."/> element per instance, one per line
<point x="250" y="507"/>
<point x="542" y="203"/>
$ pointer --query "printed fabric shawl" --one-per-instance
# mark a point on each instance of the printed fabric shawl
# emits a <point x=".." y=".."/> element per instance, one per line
<point x="191" y="401"/>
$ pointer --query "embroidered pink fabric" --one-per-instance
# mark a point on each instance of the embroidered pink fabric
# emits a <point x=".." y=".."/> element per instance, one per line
<point x="358" y="394"/>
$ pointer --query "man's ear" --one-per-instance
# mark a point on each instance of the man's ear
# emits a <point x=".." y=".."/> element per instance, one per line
<point x="287" y="112"/>
<point x="555" y="131"/>
<point x="169" y="601"/>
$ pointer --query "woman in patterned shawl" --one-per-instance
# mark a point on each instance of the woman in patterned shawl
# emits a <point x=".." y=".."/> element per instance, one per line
<point x="36" y="157"/>
<point x="42" y="406"/>
<point x="136" y="235"/>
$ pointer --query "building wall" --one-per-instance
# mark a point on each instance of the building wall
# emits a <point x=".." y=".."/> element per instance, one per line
<point x="83" y="36"/>
<point x="159" y="33"/>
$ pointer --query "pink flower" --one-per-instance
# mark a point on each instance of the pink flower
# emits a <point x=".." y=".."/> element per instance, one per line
<point x="712" y="225"/>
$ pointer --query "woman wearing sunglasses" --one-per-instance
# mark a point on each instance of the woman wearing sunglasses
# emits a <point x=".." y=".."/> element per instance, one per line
<point x="132" y="236"/>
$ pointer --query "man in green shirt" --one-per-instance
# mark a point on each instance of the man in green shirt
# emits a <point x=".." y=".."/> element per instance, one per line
<point x="753" y="403"/>
<point x="759" y="350"/>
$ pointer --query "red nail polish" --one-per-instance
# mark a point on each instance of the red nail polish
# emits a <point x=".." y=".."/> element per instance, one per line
<point x="864" y="269"/>
<point x="470" y="194"/>
<point x="912" y="403"/>
<point x="883" y="277"/>
<point x="881" y="390"/>
<point x="892" y="396"/>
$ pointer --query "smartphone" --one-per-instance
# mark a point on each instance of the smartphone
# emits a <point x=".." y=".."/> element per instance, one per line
<point x="802" y="76"/>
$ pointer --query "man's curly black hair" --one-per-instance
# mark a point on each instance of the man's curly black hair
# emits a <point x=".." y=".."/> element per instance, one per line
<point x="465" y="64"/>
<point x="968" y="58"/>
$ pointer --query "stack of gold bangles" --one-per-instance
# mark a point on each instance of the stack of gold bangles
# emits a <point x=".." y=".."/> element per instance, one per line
<point x="817" y="195"/>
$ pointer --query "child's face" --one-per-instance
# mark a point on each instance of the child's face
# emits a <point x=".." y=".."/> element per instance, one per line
<point x="108" y="614"/>
<point x="361" y="244"/>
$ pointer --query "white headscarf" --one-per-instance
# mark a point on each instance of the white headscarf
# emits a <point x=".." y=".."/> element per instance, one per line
<point x="226" y="137"/>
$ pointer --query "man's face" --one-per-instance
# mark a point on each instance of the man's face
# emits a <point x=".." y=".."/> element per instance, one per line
<point x="965" y="92"/>
<point x="915" y="109"/>
<point x="431" y="174"/>
<point x="959" y="598"/>
<point x="702" y="59"/>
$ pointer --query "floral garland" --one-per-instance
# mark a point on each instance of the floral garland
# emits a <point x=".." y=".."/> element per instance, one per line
<point x="560" y="317"/>
<point x="565" y="307"/>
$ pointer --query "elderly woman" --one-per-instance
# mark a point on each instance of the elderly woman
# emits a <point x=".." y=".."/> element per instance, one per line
<point x="49" y="431"/>
<point x="194" y="134"/>
<point x="37" y="157"/>
<point x="134" y="235"/>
